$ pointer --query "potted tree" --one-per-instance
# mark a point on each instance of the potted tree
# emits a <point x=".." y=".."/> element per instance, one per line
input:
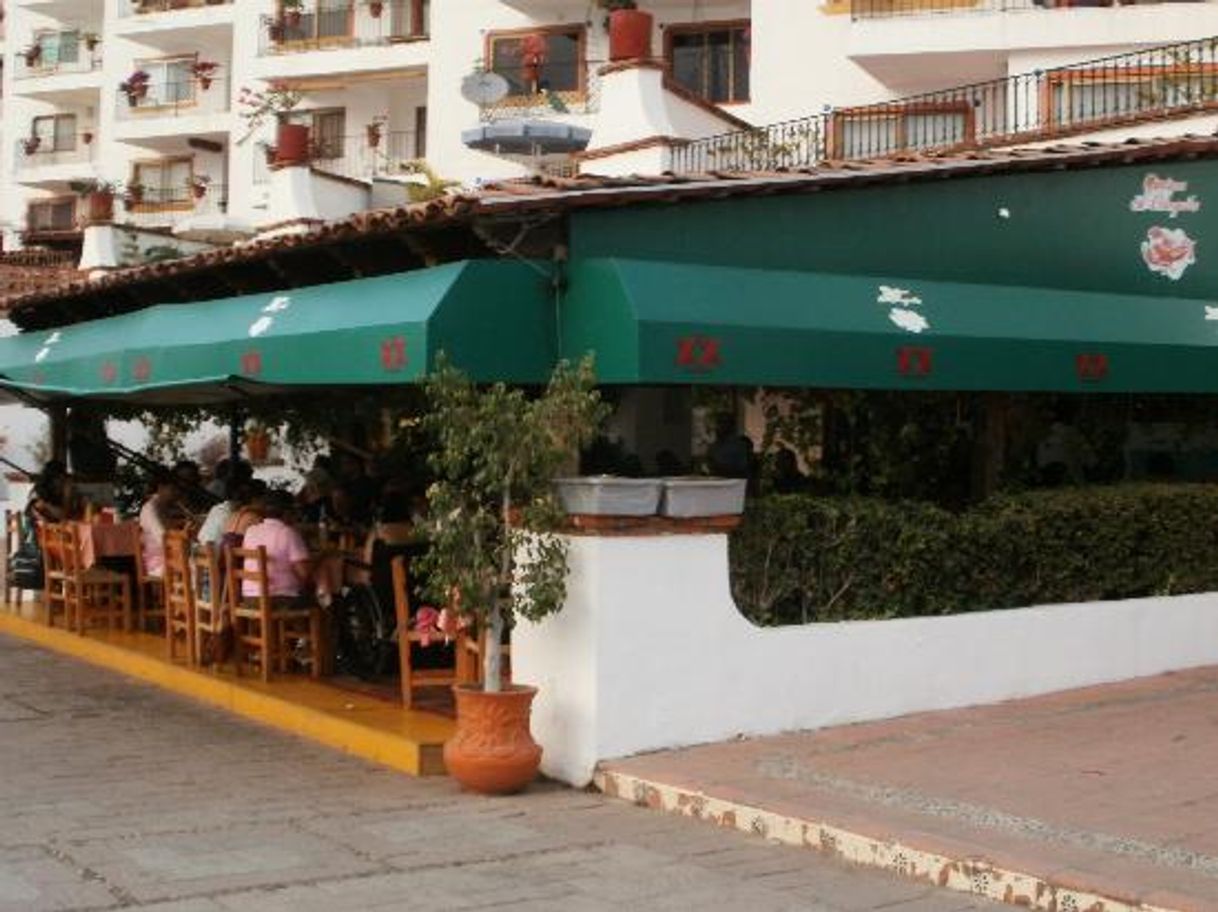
<point x="98" y="197"/>
<point x="629" y="30"/>
<point x="493" y="548"/>
<point x="277" y="100"/>
<point x="204" y="71"/>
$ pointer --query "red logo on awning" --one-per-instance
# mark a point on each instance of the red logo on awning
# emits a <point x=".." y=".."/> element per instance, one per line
<point x="251" y="363"/>
<point x="698" y="353"/>
<point x="393" y="353"/>
<point x="913" y="361"/>
<point x="109" y="372"/>
<point x="141" y="370"/>
<point x="1091" y="368"/>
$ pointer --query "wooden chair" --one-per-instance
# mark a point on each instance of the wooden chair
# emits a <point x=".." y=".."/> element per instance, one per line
<point x="210" y="616"/>
<point x="88" y="594"/>
<point x="179" y="597"/>
<point x="14" y="530"/>
<point x="55" y="588"/>
<point x="461" y="673"/>
<point x="149" y="591"/>
<point x="261" y="629"/>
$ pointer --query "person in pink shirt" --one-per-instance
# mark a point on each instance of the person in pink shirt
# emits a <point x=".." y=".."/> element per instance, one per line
<point x="288" y="567"/>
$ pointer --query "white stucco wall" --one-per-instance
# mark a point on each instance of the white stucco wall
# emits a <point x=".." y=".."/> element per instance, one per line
<point x="650" y="652"/>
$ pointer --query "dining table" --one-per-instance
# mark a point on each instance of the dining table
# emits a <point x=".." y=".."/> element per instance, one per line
<point x="99" y="540"/>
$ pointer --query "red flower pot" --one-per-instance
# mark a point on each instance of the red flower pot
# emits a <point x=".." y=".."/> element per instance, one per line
<point x="292" y="144"/>
<point x="492" y="751"/>
<point x="99" y="208"/>
<point x="375" y="8"/>
<point x="630" y="34"/>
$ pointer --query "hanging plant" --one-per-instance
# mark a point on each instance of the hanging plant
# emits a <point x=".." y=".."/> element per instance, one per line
<point x="375" y="8"/>
<point x="198" y="185"/>
<point x="91" y="41"/>
<point x="205" y="72"/>
<point x="30" y="144"/>
<point x="135" y="87"/>
<point x="374" y="129"/>
<point x="32" y="54"/>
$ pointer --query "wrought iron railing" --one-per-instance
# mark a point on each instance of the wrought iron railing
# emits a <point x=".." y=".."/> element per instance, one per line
<point x="160" y="207"/>
<point x="572" y="89"/>
<point x="355" y="157"/>
<point x="893" y="9"/>
<point x="39" y="152"/>
<point x="1173" y="80"/>
<point x="141" y="7"/>
<point x="344" y="24"/>
<point x="186" y="97"/>
<point x="80" y="60"/>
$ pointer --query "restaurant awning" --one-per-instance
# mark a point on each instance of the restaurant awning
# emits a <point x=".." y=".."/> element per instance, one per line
<point x="664" y="322"/>
<point x="493" y="318"/>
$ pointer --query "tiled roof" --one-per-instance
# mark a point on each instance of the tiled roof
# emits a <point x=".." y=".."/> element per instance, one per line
<point x="519" y="199"/>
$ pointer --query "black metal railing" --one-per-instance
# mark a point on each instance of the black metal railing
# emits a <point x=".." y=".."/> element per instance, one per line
<point x="344" y="24"/>
<point x="188" y="96"/>
<point x="164" y="206"/>
<point x="894" y="9"/>
<point x="358" y="157"/>
<point x="1173" y="80"/>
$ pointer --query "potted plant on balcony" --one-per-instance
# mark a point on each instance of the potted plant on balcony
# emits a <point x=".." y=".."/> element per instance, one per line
<point x="134" y="194"/>
<point x="292" y="11"/>
<point x="204" y="71"/>
<point x="135" y="87"/>
<point x="86" y="137"/>
<point x="30" y="144"/>
<point x="276" y="101"/>
<point x="98" y="196"/>
<point x="91" y="40"/>
<point x="375" y="8"/>
<point x="533" y="52"/>
<point x="198" y="186"/>
<point x="629" y="30"/>
<point x="494" y="552"/>
<point x="374" y="128"/>
<point x="32" y="54"/>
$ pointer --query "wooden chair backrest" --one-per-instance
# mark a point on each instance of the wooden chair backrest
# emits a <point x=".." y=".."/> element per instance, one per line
<point x="206" y="583"/>
<point x="238" y="573"/>
<point x="177" y="568"/>
<point x="61" y="549"/>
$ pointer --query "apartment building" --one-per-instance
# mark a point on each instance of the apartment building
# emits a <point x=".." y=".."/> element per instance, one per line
<point x="146" y="94"/>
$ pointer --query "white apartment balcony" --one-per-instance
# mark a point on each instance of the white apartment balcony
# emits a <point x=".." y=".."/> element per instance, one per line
<point x="53" y="160"/>
<point x="167" y="207"/>
<point x="910" y="44"/>
<point x="143" y="19"/>
<point x="170" y="109"/>
<point x="355" y="157"/>
<point x="344" y="37"/>
<point x="40" y="76"/>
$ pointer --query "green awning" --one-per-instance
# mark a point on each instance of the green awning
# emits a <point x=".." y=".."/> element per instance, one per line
<point x="494" y="319"/>
<point x="663" y="322"/>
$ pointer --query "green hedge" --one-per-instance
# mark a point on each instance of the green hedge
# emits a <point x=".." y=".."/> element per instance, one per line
<point x="800" y="558"/>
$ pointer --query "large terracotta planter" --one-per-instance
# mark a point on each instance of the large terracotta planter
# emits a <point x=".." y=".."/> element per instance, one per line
<point x="629" y="34"/>
<point x="99" y="208"/>
<point x="493" y="751"/>
<point x="292" y="144"/>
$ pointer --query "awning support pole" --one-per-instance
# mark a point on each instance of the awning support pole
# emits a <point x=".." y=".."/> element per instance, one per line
<point x="234" y="434"/>
<point x="58" y="415"/>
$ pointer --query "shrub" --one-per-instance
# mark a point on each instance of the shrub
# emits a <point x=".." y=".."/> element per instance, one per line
<point x="800" y="558"/>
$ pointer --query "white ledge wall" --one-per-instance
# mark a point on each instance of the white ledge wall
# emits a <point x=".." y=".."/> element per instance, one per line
<point x="650" y="652"/>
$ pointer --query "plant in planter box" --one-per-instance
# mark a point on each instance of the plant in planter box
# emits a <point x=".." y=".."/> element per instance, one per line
<point x="204" y="71"/>
<point x="90" y="40"/>
<point x="494" y="552"/>
<point x="135" y="87"/>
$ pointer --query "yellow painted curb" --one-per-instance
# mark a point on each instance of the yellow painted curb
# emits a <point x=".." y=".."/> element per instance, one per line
<point x="405" y="740"/>
<point x="973" y="875"/>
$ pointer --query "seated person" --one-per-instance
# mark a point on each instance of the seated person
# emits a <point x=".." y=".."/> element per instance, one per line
<point x="157" y="516"/>
<point x="248" y="513"/>
<point x="236" y="493"/>
<point x="53" y="499"/>
<point x="289" y="569"/>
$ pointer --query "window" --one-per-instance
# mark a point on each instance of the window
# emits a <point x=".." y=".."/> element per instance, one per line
<point x="165" y="182"/>
<point x="868" y="132"/>
<point x="330" y="21"/>
<point x="408" y="18"/>
<point x="52" y="215"/>
<point x="170" y="81"/>
<point x="56" y="133"/>
<point x="550" y="59"/>
<point x="327" y="131"/>
<point x="1085" y="96"/>
<point x="58" y="48"/>
<point x="711" y="60"/>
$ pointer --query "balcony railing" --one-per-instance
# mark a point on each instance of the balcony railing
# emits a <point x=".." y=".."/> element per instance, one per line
<point x="354" y="156"/>
<point x="51" y="218"/>
<point x="338" y="25"/>
<point x="577" y="91"/>
<point x="165" y="207"/>
<point x="891" y="9"/>
<point x="174" y="99"/>
<point x="84" y="62"/>
<point x="1174" y="80"/>
<point x="31" y="154"/>
<point x="142" y="7"/>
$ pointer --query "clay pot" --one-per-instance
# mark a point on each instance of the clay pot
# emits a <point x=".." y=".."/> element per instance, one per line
<point x="375" y="8"/>
<point x="99" y="208"/>
<point x="292" y="144"/>
<point x="629" y="34"/>
<point x="493" y="751"/>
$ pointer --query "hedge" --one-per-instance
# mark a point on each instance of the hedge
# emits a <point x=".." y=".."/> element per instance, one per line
<point x="801" y="558"/>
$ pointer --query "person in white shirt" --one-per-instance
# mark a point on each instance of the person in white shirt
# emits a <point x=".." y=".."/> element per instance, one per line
<point x="156" y="517"/>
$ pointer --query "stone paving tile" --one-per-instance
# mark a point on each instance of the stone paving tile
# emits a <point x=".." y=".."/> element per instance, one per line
<point x="114" y="796"/>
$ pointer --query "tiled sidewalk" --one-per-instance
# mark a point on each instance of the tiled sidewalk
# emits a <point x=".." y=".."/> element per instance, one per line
<point x="1106" y="794"/>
